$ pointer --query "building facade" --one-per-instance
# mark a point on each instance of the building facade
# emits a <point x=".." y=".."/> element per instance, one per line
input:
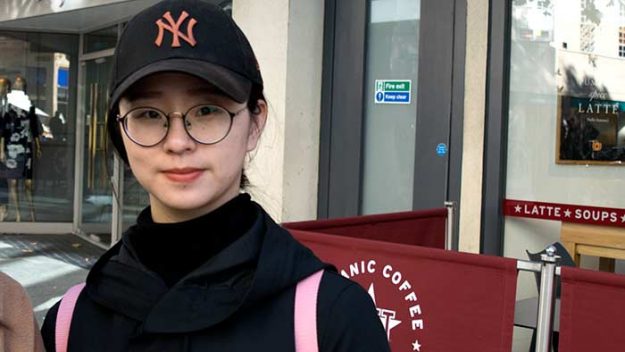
<point x="375" y="106"/>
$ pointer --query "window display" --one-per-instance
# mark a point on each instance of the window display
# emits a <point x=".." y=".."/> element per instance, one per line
<point x="37" y="126"/>
<point x="19" y="139"/>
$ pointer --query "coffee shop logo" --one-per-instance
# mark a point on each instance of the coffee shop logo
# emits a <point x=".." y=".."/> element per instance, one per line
<point x="390" y="310"/>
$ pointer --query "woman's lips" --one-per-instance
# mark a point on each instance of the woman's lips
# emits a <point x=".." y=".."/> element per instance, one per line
<point x="183" y="175"/>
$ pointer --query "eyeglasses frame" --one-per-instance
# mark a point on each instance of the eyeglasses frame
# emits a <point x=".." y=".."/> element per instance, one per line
<point x="122" y="119"/>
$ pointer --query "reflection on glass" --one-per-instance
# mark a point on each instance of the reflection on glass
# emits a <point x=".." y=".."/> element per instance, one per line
<point x="100" y="40"/>
<point x="389" y="129"/>
<point x="98" y="160"/>
<point x="37" y="124"/>
<point x="567" y="102"/>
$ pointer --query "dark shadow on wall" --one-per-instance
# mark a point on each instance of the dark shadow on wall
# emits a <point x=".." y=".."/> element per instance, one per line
<point x="586" y="87"/>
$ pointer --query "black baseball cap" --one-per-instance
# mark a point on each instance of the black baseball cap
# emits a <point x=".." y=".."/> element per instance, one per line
<point x="189" y="36"/>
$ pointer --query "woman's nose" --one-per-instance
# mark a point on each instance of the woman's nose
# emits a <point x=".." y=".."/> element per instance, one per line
<point x="177" y="139"/>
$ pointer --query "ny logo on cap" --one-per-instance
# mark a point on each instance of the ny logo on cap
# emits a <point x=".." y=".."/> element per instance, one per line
<point x="174" y="28"/>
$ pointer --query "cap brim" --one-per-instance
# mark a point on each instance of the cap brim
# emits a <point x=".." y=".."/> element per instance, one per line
<point x="230" y="83"/>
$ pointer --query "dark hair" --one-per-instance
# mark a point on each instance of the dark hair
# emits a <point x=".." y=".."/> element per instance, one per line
<point x="256" y="94"/>
<point x="115" y="137"/>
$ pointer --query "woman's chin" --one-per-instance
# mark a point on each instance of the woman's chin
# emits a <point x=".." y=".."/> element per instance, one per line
<point x="186" y="205"/>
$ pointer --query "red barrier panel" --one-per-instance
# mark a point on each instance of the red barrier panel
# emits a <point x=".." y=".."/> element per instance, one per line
<point x="592" y="311"/>
<point x="428" y="299"/>
<point x="419" y="228"/>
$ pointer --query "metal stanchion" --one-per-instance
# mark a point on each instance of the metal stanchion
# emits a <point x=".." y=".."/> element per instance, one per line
<point x="449" y="231"/>
<point x="546" y="300"/>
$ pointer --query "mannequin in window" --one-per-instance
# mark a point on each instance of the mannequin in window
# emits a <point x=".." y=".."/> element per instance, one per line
<point x="21" y="141"/>
<point x="5" y="88"/>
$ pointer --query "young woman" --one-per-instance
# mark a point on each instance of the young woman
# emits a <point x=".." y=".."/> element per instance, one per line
<point x="204" y="268"/>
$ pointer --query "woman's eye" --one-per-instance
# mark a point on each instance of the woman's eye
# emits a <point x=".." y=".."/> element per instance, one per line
<point x="151" y="114"/>
<point x="206" y="110"/>
<point x="146" y="114"/>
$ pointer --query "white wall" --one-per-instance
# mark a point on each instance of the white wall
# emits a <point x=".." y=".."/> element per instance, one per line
<point x="287" y="37"/>
<point x="473" y="132"/>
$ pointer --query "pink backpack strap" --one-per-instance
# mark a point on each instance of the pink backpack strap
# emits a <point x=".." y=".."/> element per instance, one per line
<point x="64" y="317"/>
<point x="306" y="313"/>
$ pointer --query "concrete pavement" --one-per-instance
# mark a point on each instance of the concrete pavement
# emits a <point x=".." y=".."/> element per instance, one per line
<point x="46" y="265"/>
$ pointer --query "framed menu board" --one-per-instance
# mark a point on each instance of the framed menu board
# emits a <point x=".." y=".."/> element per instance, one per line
<point x="590" y="131"/>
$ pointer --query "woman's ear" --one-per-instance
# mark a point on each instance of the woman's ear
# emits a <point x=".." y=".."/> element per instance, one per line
<point x="257" y="125"/>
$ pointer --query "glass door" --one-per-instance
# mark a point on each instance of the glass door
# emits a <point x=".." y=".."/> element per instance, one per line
<point x="111" y="196"/>
<point x="389" y="127"/>
<point x="389" y="121"/>
<point x="97" y="195"/>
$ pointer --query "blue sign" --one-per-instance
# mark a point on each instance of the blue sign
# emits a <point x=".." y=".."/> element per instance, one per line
<point x="379" y="97"/>
<point x="392" y="97"/>
<point x="397" y="97"/>
<point x="392" y="91"/>
<point x="63" y="78"/>
<point x="441" y="149"/>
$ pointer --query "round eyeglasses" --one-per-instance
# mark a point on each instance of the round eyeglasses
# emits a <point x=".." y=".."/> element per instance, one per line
<point x="205" y="124"/>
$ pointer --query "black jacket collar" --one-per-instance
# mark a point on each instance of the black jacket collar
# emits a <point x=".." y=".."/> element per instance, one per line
<point x="260" y="264"/>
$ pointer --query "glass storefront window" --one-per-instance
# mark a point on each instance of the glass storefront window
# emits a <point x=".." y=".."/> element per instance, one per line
<point x="98" y="162"/>
<point x="98" y="199"/>
<point x="566" y="141"/>
<point x="389" y="128"/>
<point x="100" y="40"/>
<point x="566" y="118"/>
<point x="37" y="126"/>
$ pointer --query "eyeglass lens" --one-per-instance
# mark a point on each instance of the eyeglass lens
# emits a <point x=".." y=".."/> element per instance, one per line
<point x="206" y="124"/>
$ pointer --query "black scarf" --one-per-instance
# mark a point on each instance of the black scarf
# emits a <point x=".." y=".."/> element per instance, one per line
<point x="172" y="250"/>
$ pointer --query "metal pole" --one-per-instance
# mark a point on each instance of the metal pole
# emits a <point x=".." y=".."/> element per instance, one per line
<point x="525" y="265"/>
<point x="546" y="300"/>
<point x="449" y="231"/>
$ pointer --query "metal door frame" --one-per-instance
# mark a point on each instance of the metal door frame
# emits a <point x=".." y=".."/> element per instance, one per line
<point x="496" y="127"/>
<point x="116" y="179"/>
<point x="440" y="93"/>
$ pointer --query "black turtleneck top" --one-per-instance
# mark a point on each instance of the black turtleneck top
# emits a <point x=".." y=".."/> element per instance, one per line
<point x="173" y="250"/>
<point x="238" y="298"/>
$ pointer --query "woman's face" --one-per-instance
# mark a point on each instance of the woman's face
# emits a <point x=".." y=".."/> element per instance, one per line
<point x="186" y="179"/>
